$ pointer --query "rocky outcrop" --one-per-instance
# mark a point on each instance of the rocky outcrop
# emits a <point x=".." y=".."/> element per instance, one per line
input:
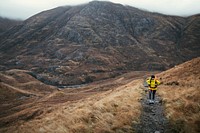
<point x="69" y="45"/>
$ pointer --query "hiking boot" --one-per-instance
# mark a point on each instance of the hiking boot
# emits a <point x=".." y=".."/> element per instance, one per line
<point x="150" y="101"/>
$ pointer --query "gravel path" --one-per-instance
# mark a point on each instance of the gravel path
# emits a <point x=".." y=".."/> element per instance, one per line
<point x="152" y="117"/>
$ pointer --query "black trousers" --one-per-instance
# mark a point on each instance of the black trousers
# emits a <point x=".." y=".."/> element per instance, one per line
<point x="152" y="94"/>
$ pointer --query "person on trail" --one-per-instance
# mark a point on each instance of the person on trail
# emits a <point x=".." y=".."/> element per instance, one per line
<point x="152" y="84"/>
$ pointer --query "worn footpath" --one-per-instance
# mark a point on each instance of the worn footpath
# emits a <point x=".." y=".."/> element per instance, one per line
<point x="152" y="119"/>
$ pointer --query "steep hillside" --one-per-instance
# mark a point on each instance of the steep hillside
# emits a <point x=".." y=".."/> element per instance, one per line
<point x="189" y="42"/>
<point x="6" y="24"/>
<point x="81" y="44"/>
<point x="181" y="95"/>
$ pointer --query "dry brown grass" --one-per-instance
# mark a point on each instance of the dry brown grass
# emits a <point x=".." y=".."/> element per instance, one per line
<point x="109" y="111"/>
<point x="106" y="106"/>
<point x="20" y="94"/>
<point x="181" y="94"/>
<point x="24" y="82"/>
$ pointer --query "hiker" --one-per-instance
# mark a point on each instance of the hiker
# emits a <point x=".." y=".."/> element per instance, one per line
<point x="152" y="84"/>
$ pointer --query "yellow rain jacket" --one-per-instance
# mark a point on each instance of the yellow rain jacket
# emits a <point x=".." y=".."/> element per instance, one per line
<point x="153" y="83"/>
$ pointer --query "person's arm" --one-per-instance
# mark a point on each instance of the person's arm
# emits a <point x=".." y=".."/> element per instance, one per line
<point x="158" y="82"/>
<point x="148" y="82"/>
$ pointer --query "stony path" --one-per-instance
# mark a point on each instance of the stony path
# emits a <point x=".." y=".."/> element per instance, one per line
<point x="152" y="117"/>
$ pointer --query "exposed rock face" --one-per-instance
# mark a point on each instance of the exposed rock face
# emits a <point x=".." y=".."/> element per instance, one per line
<point x="79" y="44"/>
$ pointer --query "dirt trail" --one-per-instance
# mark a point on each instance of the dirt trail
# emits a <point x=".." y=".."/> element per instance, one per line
<point x="152" y="119"/>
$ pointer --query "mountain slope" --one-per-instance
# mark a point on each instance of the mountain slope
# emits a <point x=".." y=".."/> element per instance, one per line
<point x="6" y="23"/>
<point x="111" y="105"/>
<point x="181" y="95"/>
<point x="80" y="44"/>
<point x="189" y="42"/>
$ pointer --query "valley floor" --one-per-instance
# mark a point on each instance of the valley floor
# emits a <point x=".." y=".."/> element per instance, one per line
<point x="117" y="105"/>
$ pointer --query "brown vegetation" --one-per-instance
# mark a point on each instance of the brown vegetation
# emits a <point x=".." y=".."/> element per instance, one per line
<point x="112" y="105"/>
<point x="181" y="95"/>
<point x="100" y="40"/>
<point x="105" y="106"/>
<point x="6" y="24"/>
